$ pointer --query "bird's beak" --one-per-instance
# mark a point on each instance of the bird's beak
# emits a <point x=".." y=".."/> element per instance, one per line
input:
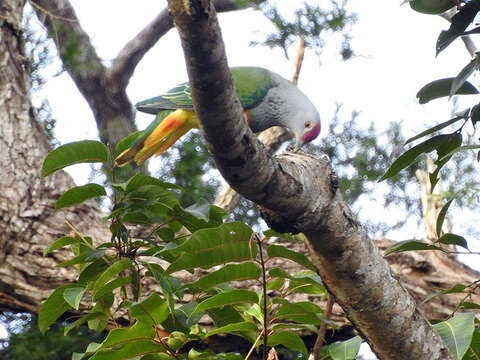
<point x="298" y="140"/>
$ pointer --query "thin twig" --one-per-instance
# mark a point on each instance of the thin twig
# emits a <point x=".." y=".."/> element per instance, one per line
<point x="264" y="289"/>
<point x="323" y="327"/>
<point x="297" y="63"/>
<point x="51" y="14"/>
<point x="254" y="345"/>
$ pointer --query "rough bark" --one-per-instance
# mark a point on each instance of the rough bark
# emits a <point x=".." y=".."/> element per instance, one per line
<point x="28" y="221"/>
<point x="299" y="192"/>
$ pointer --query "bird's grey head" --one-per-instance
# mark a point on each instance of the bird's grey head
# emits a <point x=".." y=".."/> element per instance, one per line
<point x="302" y="117"/>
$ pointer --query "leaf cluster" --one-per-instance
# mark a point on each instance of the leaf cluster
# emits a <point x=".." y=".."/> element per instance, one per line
<point x="451" y="147"/>
<point x="172" y="239"/>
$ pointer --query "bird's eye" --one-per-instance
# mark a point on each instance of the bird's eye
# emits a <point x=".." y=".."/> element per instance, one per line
<point x="307" y="124"/>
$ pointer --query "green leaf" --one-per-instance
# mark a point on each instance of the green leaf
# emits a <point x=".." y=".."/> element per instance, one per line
<point x="283" y="252"/>
<point x="275" y="284"/>
<point x="452" y="239"/>
<point x="152" y="310"/>
<point x="129" y="343"/>
<point x="110" y="272"/>
<point x="435" y="128"/>
<point x="155" y="198"/>
<point x="304" y="282"/>
<point x="256" y="311"/>
<point x="85" y="257"/>
<point x="59" y="243"/>
<point x="309" y="327"/>
<point x="441" y="88"/>
<point x="469" y="305"/>
<point x="137" y="218"/>
<point x="79" y="194"/>
<point x="431" y="7"/>
<point x="410" y="245"/>
<point x="410" y="156"/>
<point x="240" y="326"/>
<point x="224" y="315"/>
<point x="92" y="271"/>
<point x="121" y="335"/>
<point x="159" y="356"/>
<point x="200" y="217"/>
<point x="102" y="305"/>
<point x="288" y="236"/>
<point x="458" y="149"/>
<point x="139" y="180"/>
<point x="201" y="210"/>
<point x="209" y="247"/>
<point x="230" y="272"/>
<point x="288" y="339"/>
<point x="53" y="307"/>
<point x="87" y="151"/>
<point x="441" y="217"/>
<point x="73" y="296"/>
<point x="112" y="285"/>
<point x="227" y="298"/>
<point x="345" y="350"/>
<point x="300" y="313"/>
<point x="457" y="333"/>
<point x="463" y="75"/>
<point x="97" y="315"/>
<point x="457" y="288"/>
<point x="452" y="142"/>
<point x="91" y="348"/>
<point x="473" y="352"/>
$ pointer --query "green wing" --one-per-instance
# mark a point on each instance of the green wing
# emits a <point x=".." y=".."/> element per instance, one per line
<point x="252" y="84"/>
<point x="180" y="97"/>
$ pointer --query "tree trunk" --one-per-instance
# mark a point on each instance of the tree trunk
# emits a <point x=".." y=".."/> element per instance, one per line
<point x="28" y="221"/>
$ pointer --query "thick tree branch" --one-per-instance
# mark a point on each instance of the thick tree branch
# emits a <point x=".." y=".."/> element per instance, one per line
<point x="299" y="192"/>
<point x="124" y="64"/>
<point x="108" y="100"/>
<point x="104" y="88"/>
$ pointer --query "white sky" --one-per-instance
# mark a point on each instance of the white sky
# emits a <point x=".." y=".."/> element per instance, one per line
<point x="396" y="57"/>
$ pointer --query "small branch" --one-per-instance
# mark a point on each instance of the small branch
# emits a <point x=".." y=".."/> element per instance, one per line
<point x="323" y="327"/>
<point x="297" y="64"/>
<point x="124" y="65"/>
<point x="264" y="287"/>
<point x="254" y="345"/>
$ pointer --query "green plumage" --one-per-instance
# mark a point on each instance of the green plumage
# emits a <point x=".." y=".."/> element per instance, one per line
<point x="251" y="84"/>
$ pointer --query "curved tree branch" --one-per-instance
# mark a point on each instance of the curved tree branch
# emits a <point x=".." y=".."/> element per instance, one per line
<point x="299" y="192"/>
<point x="127" y="59"/>
<point x="105" y="88"/>
<point x="108" y="100"/>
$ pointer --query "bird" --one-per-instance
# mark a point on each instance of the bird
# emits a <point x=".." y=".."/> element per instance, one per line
<point x="267" y="100"/>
